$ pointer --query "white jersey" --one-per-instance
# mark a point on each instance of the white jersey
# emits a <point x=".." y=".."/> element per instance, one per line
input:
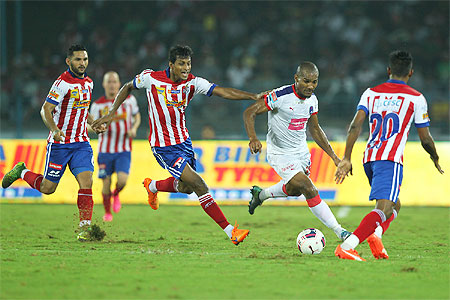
<point x="287" y="119"/>
<point x="167" y="101"/>
<point x="115" y="139"/>
<point x="391" y="107"/>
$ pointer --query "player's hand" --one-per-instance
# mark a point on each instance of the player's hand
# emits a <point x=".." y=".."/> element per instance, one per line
<point x="103" y="120"/>
<point x="58" y="135"/>
<point x="344" y="167"/>
<point x="255" y="146"/>
<point x="131" y="133"/>
<point x="99" y="128"/>
<point x="261" y="95"/>
<point x="436" y="164"/>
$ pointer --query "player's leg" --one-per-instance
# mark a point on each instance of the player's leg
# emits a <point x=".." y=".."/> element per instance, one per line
<point x="259" y="195"/>
<point x="106" y="194"/>
<point x="82" y="167"/>
<point x="122" y="162"/>
<point x="193" y="180"/>
<point x="385" y="178"/>
<point x="299" y="184"/>
<point x="105" y="170"/>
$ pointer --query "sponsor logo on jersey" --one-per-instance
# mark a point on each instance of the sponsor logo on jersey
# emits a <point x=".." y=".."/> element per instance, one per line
<point x="75" y="94"/>
<point x="138" y="78"/>
<point x="297" y="124"/>
<point x="272" y="97"/>
<point x="425" y="116"/>
<point x="53" y="95"/>
<point x="311" y="109"/>
<point x="174" y="91"/>
<point x="54" y="173"/>
<point x="55" y="166"/>
<point x="176" y="101"/>
<point x="81" y="104"/>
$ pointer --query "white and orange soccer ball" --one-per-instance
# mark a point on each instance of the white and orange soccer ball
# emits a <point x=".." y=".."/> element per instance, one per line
<point x="311" y="241"/>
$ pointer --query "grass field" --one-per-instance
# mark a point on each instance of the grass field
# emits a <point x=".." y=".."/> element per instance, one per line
<point x="178" y="252"/>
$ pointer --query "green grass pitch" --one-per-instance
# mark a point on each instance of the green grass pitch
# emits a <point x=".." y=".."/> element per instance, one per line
<point x="178" y="252"/>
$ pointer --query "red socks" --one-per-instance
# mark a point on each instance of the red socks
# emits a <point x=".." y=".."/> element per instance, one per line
<point x="166" y="185"/>
<point x="213" y="210"/>
<point x="367" y="226"/>
<point x="313" y="201"/>
<point x="34" y="180"/>
<point x="385" y="225"/>
<point x="107" y="202"/>
<point x="85" y="205"/>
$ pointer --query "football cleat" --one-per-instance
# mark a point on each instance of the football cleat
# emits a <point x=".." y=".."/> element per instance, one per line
<point x="152" y="197"/>
<point x="108" y="217"/>
<point x="238" y="235"/>
<point x="84" y="233"/>
<point x="376" y="246"/>
<point x="347" y="254"/>
<point x="345" y="234"/>
<point x="116" y="203"/>
<point x="255" y="202"/>
<point x="13" y="175"/>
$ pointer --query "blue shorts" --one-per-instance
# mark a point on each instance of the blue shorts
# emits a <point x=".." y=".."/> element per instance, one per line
<point x="385" y="178"/>
<point x="174" y="158"/>
<point x="109" y="163"/>
<point x="78" y="156"/>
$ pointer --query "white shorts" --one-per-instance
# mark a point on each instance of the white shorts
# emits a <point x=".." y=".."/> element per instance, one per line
<point x="287" y="166"/>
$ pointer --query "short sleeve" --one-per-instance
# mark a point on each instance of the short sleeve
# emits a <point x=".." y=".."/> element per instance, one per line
<point x="57" y="92"/>
<point x="203" y="86"/>
<point x="315" y="106"/>
<point x="421" y="118"/>
<point x="364" y="102"/>
<point x="134" y="105"/>
<point x="272" y="101"/>
<point x="142" y="80"/>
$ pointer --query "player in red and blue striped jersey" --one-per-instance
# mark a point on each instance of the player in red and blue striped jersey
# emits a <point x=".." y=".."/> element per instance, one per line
<point x="391" y="108"/>
<point x="66" y="113"/>
<point x="168" y="93"/>
<point x="114" y="145"/>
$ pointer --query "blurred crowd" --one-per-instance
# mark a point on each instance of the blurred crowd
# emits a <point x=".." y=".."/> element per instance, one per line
<point x="250" y="45"/>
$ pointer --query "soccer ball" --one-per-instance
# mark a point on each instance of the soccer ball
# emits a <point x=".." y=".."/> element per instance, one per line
<point x="311" y="241"/>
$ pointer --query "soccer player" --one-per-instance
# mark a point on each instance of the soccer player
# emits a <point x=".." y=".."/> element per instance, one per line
<point x="66" y="113"/>
<point x="169" y="92"/>
<point x="290" y="109"/>
<point x="114" y="145"/>
<point x="391" y="107"/>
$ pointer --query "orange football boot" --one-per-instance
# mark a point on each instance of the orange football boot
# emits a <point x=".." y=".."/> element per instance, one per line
<point x="376" y="246"/>
<point x="152" y="197"/>
<point x="238" y="235"/>
<point x="347" y="254"/>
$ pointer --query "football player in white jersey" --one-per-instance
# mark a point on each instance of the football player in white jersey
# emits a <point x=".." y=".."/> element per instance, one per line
<point x="391" y="108"/>
<point x="291" y="109"/>
<point x="169" y="92"/>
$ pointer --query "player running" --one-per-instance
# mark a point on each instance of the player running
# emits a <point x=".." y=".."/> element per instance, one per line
<point x="290" y="109"/>
<point x="114" y="145"/>
<point x="169" y="92"/>
<point x="66" y="113"/>
<point x="391" y="107"/>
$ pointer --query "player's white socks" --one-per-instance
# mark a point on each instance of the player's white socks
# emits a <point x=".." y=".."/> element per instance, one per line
<point x="152" y="186"/>
<point x="379" y="231"/>
<point x="23" y="173"/>
<point x="350" y="243"/>
<point x="274" y="191"/>
<point x="228" y="230"/>
<point x="323" y="212"/>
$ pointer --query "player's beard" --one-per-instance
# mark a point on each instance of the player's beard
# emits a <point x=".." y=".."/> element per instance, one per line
<point x="76" y="71"/>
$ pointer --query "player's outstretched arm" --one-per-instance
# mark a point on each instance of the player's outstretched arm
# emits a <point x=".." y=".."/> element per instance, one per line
<point x="321" y="139"/>
<point x="47" y="118"/>
<point x="259" y="107"/>
<point x="345" y="166"/>
<point x="121" y="96"/>
<point x="428" y="144"/>
<point x="235" y="94"/>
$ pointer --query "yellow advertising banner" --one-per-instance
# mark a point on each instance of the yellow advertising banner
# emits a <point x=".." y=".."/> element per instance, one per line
<point x="230" y="170"/>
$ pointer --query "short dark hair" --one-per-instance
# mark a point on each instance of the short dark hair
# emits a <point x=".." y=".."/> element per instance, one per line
<point x="400" y="63"/>
<point x="179" y="51"/>
<point x="74" y="48"/>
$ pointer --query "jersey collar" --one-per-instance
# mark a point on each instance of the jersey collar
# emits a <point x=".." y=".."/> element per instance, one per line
<point x="396" y="81"/>
<point x="75" y="76"/>
<point x="298" y="96"/>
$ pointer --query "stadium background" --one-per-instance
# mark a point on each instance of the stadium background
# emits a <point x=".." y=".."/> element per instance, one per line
<point x="250" y="45"/>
